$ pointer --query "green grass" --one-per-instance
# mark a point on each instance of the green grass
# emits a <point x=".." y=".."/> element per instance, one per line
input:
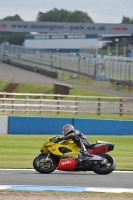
<point x="69" y="115"/>
<point x="3" y="84"/>
<point x="49" y="89"/>
<point x="34" y="88"/>
<point x="18" y="151"/>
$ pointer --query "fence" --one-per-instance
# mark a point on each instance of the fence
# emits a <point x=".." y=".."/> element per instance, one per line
<point x="109" y="69"/>
<point x="55" y="103"/>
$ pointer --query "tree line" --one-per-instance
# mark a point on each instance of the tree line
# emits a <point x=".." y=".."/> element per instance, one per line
<point x="54" y="15"/>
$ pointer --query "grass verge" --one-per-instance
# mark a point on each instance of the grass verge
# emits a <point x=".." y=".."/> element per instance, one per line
<point x="18" y="151"/>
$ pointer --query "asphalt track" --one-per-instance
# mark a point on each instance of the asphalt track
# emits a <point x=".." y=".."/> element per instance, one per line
<point x="66" y="181"/>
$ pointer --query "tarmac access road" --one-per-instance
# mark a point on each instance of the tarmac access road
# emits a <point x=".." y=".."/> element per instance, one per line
<point x="24" y="76"/>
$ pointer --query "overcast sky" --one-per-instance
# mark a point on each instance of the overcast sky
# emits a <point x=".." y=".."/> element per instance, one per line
<point x="101" y="11"/>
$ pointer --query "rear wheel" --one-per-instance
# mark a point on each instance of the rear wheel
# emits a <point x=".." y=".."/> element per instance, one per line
<point x="106" y="166"/>
<point x="44" y="164"/>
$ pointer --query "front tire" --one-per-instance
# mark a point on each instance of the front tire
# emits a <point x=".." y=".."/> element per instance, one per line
<point x="106" y="167"/>
<point x="44" y="164"/>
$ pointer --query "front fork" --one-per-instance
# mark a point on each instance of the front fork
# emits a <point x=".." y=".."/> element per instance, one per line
<point x="47" y="158"/>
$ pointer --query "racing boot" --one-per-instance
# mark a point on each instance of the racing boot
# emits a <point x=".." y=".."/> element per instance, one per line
<point x="85" y="154"/>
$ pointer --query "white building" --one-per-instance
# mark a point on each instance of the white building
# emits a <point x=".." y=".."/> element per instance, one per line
<point x="62" y="42"/>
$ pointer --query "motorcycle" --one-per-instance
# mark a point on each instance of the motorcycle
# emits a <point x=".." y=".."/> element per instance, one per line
<point x="65" y="155"/>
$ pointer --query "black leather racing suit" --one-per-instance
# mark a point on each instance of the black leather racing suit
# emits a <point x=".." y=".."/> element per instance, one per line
<point x="78" y="137"/>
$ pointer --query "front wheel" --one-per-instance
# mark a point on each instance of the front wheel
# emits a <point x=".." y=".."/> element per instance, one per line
<point x="44" y="164"/>
<point x="106" y="166"/>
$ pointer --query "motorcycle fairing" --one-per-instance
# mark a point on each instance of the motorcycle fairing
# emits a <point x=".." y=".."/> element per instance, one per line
<point x="101" y="148"/>
<point x="60" y="148"/>
<point x="95" y="158"/>
<point x="67" y="164"/>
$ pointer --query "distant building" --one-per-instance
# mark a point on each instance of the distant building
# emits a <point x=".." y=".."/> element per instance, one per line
<point x="122" y="39"/>
<point x="62" y="42"/>
<point x="75" y="42"/>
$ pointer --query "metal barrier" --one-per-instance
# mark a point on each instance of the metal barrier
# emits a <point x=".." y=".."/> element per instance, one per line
<point x="115" y="69"/>
<point x="53" y="125"/>
<point x="55" y="103"/>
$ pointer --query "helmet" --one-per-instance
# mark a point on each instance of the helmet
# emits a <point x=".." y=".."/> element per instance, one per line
<point x="67" y="129"/>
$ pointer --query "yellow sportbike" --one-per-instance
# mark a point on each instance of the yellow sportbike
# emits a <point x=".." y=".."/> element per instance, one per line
<point x="65" y="155"/>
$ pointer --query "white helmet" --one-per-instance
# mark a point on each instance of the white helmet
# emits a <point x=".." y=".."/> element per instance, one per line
<point x="67" y="129"/>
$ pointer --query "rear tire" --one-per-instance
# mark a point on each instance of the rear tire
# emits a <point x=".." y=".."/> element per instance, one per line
<point x="44" y="166"/>
<point x="106" y="168"/>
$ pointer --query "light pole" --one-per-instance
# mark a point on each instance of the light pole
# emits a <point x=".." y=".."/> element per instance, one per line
<point x="116" y="41"/>
<point x="79" y="59"/>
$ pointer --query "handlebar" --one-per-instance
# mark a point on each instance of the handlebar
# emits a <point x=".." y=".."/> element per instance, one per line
<point x="55" y="139"/>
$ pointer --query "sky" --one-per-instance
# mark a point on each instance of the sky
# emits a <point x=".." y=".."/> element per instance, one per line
<point x="101" y="11"/>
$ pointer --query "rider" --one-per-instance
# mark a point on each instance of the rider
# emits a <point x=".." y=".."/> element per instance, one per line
<point x="70" y="133"/>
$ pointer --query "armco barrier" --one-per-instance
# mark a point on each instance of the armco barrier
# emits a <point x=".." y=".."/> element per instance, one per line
<point x="49" y="125"/>
<point x="36" y="125"/>
<point x="104" y="127"/>
<point x="3" y="125"/>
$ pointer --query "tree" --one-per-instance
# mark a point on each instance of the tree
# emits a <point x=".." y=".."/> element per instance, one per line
<point x="127" y="20"/>
<point x="62" y="15"/>
<point x="13" y="18"/>
<point x="12" y="38"/>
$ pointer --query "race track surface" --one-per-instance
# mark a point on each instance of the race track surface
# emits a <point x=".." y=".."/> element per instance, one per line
<point x="67" y="181"/>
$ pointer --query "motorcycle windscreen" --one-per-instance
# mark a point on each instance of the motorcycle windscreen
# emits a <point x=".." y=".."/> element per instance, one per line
<point x="67" y="164"/>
